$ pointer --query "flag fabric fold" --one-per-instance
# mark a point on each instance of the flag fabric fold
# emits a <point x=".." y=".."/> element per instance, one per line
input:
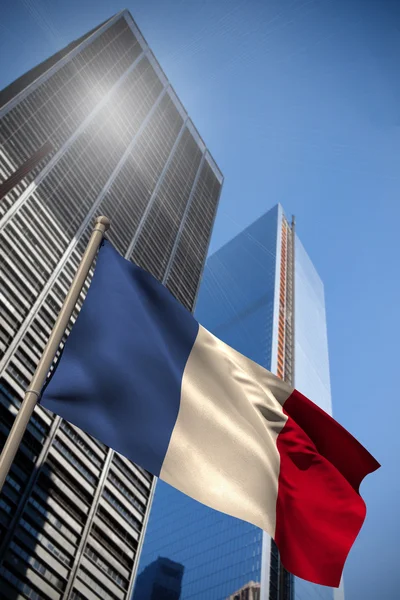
<point x="142" y="376"/>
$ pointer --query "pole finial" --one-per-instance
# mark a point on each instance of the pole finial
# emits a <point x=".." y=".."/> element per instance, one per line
<point x="105" y="221"/>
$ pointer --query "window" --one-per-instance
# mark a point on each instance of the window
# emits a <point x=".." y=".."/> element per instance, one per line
<point x="10" y="396"/>
<point x="124" y="490"/>
<point x="54" y="467"/>
<point x="116" y="528"/>
<point x="45" y="542"/>
<point x="77" y="463"/>
<point x="36" y="564"/>
<point x="102" y="539"/>
<point x="26" y="589"/>
<point x="17" y="376"/>
<point x="102" y="564"/>
<point x="13" y="483"/>
<point x="26" y="360"/>
<point x="75" y="595"/>
<point x="73" y="435"/>
<point x="51" y="518"/>
<point x="5" y="506"/>
<point x="97" y="587"/>
<point x="57" y="494"/>
<point x="39" y="424"/>
<point x="122" y="510"/>
<point x="130" y="475"/>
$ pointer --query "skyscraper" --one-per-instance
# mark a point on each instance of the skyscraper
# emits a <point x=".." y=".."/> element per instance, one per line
<point x="72" y="512"/>
<point x="261" y="294"/>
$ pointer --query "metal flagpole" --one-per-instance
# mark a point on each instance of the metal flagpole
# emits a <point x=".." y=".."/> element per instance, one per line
<point x="32" y="393"/>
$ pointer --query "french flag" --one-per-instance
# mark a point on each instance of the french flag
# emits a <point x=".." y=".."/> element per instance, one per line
<point x="142" y="376"/>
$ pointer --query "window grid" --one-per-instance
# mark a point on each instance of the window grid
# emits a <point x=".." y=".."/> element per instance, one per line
<point x="104" y="566"/>
<point x="73" y="460"/>
<point x="45" y="541"/>
<point x="122" y="510"/>
<point x="27" y="590"/>
<point x="77" y="439"/>
<point x="35" y="563"/>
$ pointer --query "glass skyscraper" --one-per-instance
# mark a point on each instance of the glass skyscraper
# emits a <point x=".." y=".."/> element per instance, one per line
<point x="261" y="294"/>
<point x="120" y="143"/>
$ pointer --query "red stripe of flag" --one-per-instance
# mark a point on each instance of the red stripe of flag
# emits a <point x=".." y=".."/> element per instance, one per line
<point x="319" y="509"/>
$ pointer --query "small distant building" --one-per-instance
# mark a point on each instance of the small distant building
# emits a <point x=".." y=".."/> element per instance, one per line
<point x="161" y="580"/>
<point x="250" y="591"/>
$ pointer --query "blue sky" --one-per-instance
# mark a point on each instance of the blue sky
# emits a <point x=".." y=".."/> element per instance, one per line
<point x="299" y="102"/>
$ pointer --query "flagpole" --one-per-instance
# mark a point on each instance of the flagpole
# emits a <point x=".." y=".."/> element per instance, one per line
<point x="32" y="393"/>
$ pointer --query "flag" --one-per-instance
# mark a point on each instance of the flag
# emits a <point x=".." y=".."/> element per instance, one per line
<point x="142" y="376"/>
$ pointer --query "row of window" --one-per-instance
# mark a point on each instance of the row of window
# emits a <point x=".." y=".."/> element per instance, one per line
<point x="162" y="224"/>
<point x="10" y="495"/>
<point x="80" y="165"/>
<point x="36" y="564"/>
<point x="9" y="317"/>
<point x="29" y="448"/>
<point x="75" y="595"/>
<point x="64" y="91"/>
<point x="5" y="339"/>
<point x="17" y="376"/>
<point x="51" y="518"/>
<point x="25" y="359"/>
<point x="4" y="506"/>
<point x="13" y="483"/>
<point x="109" y="545"/>
<point x="77" y="463"/>
<point x="24" y="268"/>
<point x="45" y="488"/>
<point x="35" y="420"/>
<point x="184" y="276"/>
<point x="73" y="435"/>
<point x="130" y="475"/>
<point x="112" y="573"/>
<point x="116" y="528"/>
<point x="140" y="172"/>
<point x="27" y="590"/>
<point x="95" y="585"/>
<point x="122" y="510"/>
<point x="11" y="291"/>
<point x="53" y="466"/>
<point x="23" y="229"/>
<point x="46" y="230"/>
<point x="124" y="490"/>
<point x="44" y="540"/>
<point x="30" y="252"/>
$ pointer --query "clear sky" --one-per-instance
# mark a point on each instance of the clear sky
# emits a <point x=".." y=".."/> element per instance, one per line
<point x="299" y="102"/>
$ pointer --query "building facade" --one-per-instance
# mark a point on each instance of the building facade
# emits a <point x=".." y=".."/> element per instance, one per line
<point x="260" y="294"/>
<point x="72" y="511"/>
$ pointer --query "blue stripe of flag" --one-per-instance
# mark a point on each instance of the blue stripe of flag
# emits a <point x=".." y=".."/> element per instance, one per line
<point x="120" y="374"/>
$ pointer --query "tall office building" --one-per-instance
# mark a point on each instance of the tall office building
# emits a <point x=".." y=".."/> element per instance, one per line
<point x="260" y="294"/>
<point x="72" y="511"/>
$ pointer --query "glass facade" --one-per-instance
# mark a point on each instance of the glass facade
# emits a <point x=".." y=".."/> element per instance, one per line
<point x="246" y="299"/>
<point x="222" y="554"/>
<point x="311" y="367"/>
<point x="72" y="511"/>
